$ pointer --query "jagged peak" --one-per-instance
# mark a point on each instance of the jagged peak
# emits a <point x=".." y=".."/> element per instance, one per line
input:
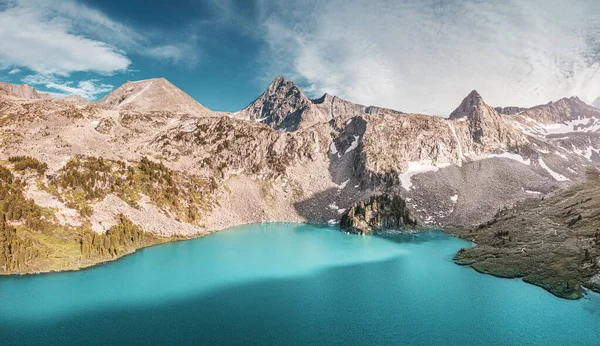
<point x="281" y="82"/>
<point x="278" y="79"/>
<point x="571" y="100"/>
<point x="469" y="105"/>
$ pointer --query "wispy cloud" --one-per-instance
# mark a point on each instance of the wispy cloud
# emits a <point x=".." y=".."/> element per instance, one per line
<point x="14" y="71"/>
<point x="45" y="44"/>
<point x="87" y="89"/>
<point x="62" y="37"/>
<point x="425" y="55"/>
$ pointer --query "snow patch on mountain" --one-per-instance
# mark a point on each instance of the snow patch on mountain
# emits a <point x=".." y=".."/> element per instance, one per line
<point x="415" y="168"/>
<point x="333" y="149"/>
<point x="354" y="145"/>
<point x="343" y="185"/>
<point x="556" y="176"/>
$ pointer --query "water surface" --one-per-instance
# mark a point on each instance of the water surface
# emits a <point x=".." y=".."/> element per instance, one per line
<point x="290" y="284"/>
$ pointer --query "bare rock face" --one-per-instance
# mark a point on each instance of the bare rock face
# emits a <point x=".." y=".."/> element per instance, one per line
<point x="382" y="212"/>
<point x="283" y="106"/>
<point x="343" y="109"/>
<point x="510" y="110"/>
<point x="22" y="91"/>
<point x="224" y="145"/>
<point x="156" y="94"/>
<point x="487" y="127"/>
<point x="565" y="109"/>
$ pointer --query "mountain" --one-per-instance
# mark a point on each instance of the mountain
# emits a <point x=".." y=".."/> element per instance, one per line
<point x="157" y="95"/>
<point x="565" y="109"/>
<point x="486" y="125"/>
<point x="149" y="161"/>
<point x="76" y="100"/>
<point x="22" y="91"/>
<point x="283" y="106"/>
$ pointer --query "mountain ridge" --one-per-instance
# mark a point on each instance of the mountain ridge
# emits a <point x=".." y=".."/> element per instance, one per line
<point x="151" y="154"/>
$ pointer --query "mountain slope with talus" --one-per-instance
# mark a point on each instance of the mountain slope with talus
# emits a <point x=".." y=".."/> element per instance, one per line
<point x="149" y="154"/>
<point x="155" y="94"/>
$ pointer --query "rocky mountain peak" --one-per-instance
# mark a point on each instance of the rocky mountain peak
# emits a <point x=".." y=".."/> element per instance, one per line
<point x="565" y="109"/>
<point x="282" y="106"/>
<point x="486" y="125"/>
<point x="22" y="91"/>
<point x="156" y="94"/>
<point x="470" y="106"/>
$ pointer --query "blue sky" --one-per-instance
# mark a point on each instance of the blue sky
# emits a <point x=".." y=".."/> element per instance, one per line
<point x="411" y="55"/>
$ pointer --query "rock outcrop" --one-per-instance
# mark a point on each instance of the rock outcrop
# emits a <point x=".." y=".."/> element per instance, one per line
<point x="283" y="106"/>
<point x="378" y="213"/>
<point x="487" y="128"/>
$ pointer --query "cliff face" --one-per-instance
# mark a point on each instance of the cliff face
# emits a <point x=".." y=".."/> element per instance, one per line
<point x="283" y="106"/>
<point x="488" y="130"/>
<point x="382" y="212"/>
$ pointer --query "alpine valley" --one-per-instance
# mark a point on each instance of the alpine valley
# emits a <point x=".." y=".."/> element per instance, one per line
<point x="83" y="182"/>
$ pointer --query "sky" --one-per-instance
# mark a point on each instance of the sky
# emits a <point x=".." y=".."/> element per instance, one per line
<point x="412" y="55"/>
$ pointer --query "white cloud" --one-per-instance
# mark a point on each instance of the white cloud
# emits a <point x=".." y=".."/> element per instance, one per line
<point x="87" y="89"/>
<point x="426" y="55"/>
<point x="45" y="45"/>
<point x="176" y="53"/>
<point x="14" y="71"/>
<point x="61" y="37"/>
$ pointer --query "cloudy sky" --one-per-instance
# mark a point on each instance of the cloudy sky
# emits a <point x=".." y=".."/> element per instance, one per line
<point x="411" y="55"/>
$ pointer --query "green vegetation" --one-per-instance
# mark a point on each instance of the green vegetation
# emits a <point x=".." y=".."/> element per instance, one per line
<point x="22" y="163"/>
<point x="120" y="239"/>
<point x="32" y="241"/>
<point x="13" y="204"/>
<point x="15" y="250"/>
<point x="88" y="179"/>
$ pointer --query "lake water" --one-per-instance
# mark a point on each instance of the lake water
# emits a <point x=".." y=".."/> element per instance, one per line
<point x="290" y="284"/>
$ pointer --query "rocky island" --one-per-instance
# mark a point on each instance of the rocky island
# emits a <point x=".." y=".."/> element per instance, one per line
<point x="87" y="182"/>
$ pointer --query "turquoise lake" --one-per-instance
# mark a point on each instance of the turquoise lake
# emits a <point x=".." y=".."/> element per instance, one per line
<point x="290" y="284"/>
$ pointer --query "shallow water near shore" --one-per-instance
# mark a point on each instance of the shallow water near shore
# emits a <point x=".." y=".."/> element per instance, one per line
<point x="290" y="284"/>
